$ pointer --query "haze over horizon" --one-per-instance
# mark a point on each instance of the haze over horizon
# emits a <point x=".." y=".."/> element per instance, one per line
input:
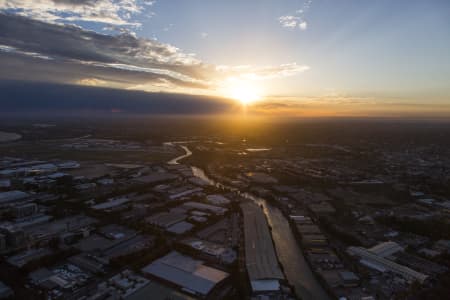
<point x="224" y="149"/>
<point x="312" y="58"/>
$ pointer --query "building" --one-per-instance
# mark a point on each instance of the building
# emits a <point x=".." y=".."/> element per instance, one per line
<point x="205" y="207"/>
<point x="111" y="203"/>
<point x="166" y="219"/>
<point x="5" y="183"/>
<point x="88" y="262"/>
<point x="443" y="246"/>
<point x="322" y="208"/>
<point x="260" y="177"/>
<point x="314" y="240"/>
<point x="53" y="229"/>
<point x="42" y="169"/>
<point x="186" y="191"/>
<point x="217" y="199"/>
<point x="130" y="286"/>
<point x="68" y="165"/>
<point x="260" y="258"/>
<point x="191" y="275"/>
<point x="14" y="236"/>
<point x="300" y="219"/>
<point x="12" y="196"/>
<point x="21" y="259"/>
<point x="25" y="210"/>
<point x="218" y="252"/>
<point x="156" y="178"/>
<point x="386" y="249"/>
<point x="105" y="181"/>
<point x="60" y="279"/>
<point x="348" y="279"/>
<point x="86" y="186"/>
<point x="180" y="227"/>
<point x="158" y="292"/>
<point x="120" y="286"/>
<point x="308" y="229"/>
<point x="111" y="242"/>
<point x="5" y="291"/>
<point x="381" y="264"/>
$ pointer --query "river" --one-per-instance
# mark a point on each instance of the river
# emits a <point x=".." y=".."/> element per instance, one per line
<point x="290" y="255"/>
<point x="176" y="159"/>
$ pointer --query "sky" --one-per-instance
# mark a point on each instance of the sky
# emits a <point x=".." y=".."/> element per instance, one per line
<point x="275" y="57"/>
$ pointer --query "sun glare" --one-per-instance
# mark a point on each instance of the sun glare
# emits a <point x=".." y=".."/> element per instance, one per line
<point x="244" y="93"/>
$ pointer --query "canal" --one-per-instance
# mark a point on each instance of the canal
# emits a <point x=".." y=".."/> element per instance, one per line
<point x="290" y="255"/>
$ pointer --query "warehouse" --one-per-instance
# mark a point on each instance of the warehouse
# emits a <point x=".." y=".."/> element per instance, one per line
<point x="260" y="257"/>
<point x="12" y="196"/>
<point x="189" y="274"/>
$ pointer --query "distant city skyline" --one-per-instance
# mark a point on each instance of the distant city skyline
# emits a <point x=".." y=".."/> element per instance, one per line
<point x="284" y="58"/>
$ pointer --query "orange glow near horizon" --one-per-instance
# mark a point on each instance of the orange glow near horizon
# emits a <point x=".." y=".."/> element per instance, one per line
<point x="246" y="93"/>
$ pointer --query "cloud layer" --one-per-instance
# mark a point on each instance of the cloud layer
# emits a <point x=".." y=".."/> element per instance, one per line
<point x="32" y="49"/>
<point x="35" y="50"/>
<point x="296" y="20"/>
<point x="45" y="98"/>
<point x="116" y="12"/>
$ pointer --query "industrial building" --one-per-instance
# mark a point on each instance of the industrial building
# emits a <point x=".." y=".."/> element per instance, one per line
<point x="205" y="207"/>
<point x="25" y="210"/>
<point x="180" y="227"/>
<point x="166" y="219"/>
<point x="189" y="274"/>
<point x="216" y="251"/>
<point x="386" y="249"/>
<point x="156" y="177"/>
<point x="120" y="286"/>
<point x="260" y="257"/>
<point x="111" y="203"/>
<point x="217" y="199"/>
<point x="381" y="264"/>
<point x="13" y="236"/>
<point x="12" y="196"/>
<point x="47" y="231"/>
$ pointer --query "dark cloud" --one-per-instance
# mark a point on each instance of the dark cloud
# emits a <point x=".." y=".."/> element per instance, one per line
<point x="32" y="97"/>
<point x="34" y="50"/>
<point x="63" y="41"/>
<point x="25" y="67"/>
<point x="90" y="54"/>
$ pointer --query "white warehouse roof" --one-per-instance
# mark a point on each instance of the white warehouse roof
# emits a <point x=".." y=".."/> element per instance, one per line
<point x="386" y="249"/>
<point x="186" y="272"/>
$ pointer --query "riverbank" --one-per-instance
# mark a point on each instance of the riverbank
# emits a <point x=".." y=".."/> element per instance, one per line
<point x="289" y="254"/>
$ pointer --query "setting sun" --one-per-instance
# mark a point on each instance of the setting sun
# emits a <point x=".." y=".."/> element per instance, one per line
<point x="245" y="93"/>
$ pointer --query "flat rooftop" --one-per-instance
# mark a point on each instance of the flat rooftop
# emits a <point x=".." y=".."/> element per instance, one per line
<point x="156" y="177"/>
<point x="11" y="196"/>
<point x="158" y="292"/>
<point x="186" y="272"/>
<point x="260" y="256"/>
